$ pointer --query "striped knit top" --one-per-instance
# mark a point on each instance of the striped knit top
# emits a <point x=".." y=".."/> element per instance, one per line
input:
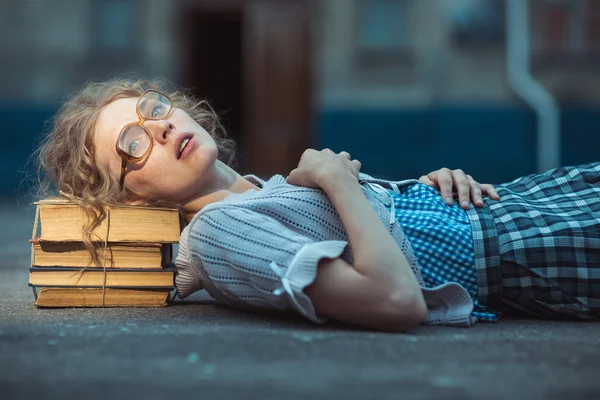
<point x="260" y="249"/>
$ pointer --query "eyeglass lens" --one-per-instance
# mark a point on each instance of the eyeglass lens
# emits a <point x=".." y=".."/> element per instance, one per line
<point x="134" y="140"/>
<point x="154" y="105"/>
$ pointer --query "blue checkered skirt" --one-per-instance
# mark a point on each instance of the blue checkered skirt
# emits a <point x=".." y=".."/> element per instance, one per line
<point x="440" y="236"/>
<point x="537" y="250"/>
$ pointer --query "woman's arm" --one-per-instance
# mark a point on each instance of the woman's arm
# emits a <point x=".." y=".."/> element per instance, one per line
<point x="381" y="291"/>
<point x="376" y="254"/>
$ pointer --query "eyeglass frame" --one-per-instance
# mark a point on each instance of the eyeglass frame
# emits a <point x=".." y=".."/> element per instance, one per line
<point x="127" y="158"/>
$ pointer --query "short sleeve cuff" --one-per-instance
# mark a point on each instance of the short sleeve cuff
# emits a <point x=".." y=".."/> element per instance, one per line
<point x="186" y="280"/>
<point x="302" y="272"/>
<point x="448" y="304"/>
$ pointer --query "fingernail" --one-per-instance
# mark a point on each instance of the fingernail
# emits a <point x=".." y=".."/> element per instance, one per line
<point x="449" y="200"/>
<point x="479" y="201"/>
<point x="465" y="203"/>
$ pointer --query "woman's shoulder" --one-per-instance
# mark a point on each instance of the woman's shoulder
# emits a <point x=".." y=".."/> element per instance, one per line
<point x="277" y="197"/>
<point x="248" y="201"/>
<point x="277" y="200"/>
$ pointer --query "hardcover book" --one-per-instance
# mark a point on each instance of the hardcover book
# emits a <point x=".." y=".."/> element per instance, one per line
<point x="95" y="277"/>
<point x="118" y="255"/>
<point x="63" y="220"/>
<point x="92" y="297"/>
<point x="134" y="244"/>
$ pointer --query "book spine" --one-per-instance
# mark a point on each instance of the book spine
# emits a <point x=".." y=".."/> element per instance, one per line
<point x="100" y="269"/>
<point x="106" y="287"/>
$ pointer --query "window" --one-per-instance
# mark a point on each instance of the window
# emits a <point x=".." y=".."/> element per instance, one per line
<point x="115" y="34"/>
<point x="568" y="32"/>
<point x="384" y="32"/>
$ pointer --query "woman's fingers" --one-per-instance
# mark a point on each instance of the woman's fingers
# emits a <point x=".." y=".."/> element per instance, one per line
<point x="463" y="188"/>
<point x="490" y="191"/>
<point x="355" y="163"/>
<point x="467" y="189"/>
<point x="444" y="181"/>
<point x="476" y="192"/>
<point x="428" y="181"/>
<point x="357" y="166"/>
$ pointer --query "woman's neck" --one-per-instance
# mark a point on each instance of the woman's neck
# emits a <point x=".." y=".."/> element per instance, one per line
<point x="224" y="181"/>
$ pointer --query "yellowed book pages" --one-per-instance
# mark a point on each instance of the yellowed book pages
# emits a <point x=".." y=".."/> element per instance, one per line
<point x="92" y="297"/>
<point x="163" y="278"/>
<point x="62" y="221"/>
<point x="118" y="255"/>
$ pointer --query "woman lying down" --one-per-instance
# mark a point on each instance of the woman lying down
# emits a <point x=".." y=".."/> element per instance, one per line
<point x="327" y="241"/>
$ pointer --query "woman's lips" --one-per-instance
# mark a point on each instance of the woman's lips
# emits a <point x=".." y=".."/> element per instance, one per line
<point x="188" y="149"/>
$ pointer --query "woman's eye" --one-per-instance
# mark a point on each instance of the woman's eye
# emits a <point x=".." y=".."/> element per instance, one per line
<point x="133" y="146"/>
<point x="156" y="111"/>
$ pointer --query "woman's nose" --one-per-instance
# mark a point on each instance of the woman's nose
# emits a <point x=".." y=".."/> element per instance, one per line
<point x="160" y="129"/>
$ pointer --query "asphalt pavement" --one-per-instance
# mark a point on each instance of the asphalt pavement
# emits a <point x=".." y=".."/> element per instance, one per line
<point x="201" y="350"/>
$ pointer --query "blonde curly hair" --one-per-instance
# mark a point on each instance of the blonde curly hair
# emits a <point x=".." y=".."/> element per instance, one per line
<point x="66" y="156"/>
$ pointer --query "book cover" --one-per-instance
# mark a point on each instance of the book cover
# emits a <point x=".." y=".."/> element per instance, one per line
<point x="118" y="255"/>
<point x="93" y="297"/>
<point x="95" y="277"/>
<point x="62" y="221"/>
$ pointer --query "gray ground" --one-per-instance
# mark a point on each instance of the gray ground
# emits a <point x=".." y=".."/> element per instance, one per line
<point x="198" y="349"/>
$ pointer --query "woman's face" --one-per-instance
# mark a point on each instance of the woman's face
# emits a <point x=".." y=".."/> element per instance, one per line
<point x="166" y="173"/>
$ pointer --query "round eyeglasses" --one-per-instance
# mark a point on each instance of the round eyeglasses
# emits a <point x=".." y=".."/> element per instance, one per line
<point x="135" y="142"/>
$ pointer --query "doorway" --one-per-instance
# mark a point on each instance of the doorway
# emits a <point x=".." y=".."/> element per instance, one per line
<point x="214" y="65"/>
<point x="251" y="59"/>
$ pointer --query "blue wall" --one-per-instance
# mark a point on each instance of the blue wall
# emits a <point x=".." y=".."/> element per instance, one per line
<point x="21" y="125"/>
<point x="492" y="143"/>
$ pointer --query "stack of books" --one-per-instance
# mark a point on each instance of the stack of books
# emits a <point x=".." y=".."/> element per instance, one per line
<point x="134" y="245"/>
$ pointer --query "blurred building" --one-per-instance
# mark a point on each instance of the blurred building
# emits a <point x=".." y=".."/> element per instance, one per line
<point x="406" y="86"/>
<point x="426" y="80"/>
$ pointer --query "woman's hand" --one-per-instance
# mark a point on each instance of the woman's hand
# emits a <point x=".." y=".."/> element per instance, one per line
<point x="467" y="188"/>
<point x="316" y="168"/>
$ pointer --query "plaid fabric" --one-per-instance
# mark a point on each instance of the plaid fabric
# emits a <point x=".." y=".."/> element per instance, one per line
<point x="441" y="240"/>
<point x="537" y="250"/>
